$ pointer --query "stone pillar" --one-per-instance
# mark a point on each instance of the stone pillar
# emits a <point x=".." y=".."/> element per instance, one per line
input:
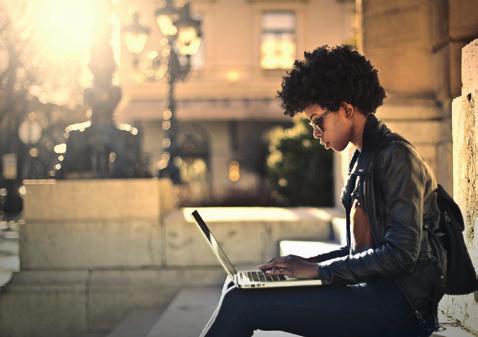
<point x="414" y="46"/>
<point x="465" y="177"/>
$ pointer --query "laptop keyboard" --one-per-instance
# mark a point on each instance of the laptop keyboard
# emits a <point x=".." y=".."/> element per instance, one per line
<point x="259" y="276"/>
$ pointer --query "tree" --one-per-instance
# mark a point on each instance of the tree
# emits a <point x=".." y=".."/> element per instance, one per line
<point x="30" y="84"/>
<point x="299" y="168"/>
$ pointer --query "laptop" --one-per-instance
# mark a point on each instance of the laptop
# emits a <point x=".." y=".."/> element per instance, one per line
<point x="248" y="279"/>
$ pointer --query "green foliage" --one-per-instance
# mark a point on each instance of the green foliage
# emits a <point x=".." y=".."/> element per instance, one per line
<point x="298" y="167"/>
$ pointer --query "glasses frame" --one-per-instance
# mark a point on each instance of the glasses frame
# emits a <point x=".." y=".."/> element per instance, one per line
<point x="319" y="121"/>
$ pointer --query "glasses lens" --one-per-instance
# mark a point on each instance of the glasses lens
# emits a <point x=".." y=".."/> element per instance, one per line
<point x="320" y="123"/>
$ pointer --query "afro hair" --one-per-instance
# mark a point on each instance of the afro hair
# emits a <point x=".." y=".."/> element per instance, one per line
<point x="329" y="76"/>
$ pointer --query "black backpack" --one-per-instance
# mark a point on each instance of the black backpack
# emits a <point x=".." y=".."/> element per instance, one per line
<point x="461" y="275"/>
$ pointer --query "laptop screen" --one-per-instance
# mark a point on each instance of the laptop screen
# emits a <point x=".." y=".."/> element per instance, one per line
<point x="214" y="244"/>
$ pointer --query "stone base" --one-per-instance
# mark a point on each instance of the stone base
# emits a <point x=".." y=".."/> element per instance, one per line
<point x="69" y="303"/>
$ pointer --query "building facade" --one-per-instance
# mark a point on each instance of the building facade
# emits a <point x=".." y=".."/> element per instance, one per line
<point x="227" y="104"/>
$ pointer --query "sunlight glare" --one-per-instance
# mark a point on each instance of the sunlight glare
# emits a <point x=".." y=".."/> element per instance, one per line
<point x="64" y="27"/>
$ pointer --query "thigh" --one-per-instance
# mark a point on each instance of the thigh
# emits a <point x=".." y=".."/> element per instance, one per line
<point x="373" y="309"/>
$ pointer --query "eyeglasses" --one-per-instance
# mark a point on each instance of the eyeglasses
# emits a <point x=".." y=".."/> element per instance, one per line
<point x="318" y="123"/>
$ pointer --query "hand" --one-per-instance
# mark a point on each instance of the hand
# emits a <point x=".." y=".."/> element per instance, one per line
<point x="290" y="265"/>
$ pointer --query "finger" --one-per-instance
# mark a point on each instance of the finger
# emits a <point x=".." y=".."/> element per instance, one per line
<point x="282" y="271"/>
<point x="269" y="266"/>
<point x="281" y="264"/>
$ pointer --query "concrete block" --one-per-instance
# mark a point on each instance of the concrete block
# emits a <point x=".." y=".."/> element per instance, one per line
<point x="314" y="224"/>
<point x="465" y="182"/>
<point x="406" y="108"/>
<point x="403" y="70"/>
<point x="469" y="69"/>
<point x="413" y="130"/>
<point x="250" y="240"/>
<point x="168" y="196"/>
<point x="393" y="23"/>
<point x="44" y="304"/>
<point x="90" y="244"/>
<point x="92" y="199"/>
<point x="185" y="246"/>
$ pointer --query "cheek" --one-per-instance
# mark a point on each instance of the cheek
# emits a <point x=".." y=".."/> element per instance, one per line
<point x="340" y="140"/>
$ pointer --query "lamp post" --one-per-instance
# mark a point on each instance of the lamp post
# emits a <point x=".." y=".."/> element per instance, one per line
<point x="183" y="35"/>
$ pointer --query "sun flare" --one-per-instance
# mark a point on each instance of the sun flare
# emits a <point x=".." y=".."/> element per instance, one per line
<point x="63" y="26"/>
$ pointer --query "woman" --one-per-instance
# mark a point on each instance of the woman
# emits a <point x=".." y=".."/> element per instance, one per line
<point x="389" y="279"/>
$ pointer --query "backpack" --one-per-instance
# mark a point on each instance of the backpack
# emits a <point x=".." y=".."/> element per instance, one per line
<point x="461" y="275"/>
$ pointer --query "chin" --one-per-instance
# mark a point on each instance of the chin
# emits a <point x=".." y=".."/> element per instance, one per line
<point x="339" y="148"/>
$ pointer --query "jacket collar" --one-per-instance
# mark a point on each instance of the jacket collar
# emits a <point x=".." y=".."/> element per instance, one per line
<point x="373" y="133"/>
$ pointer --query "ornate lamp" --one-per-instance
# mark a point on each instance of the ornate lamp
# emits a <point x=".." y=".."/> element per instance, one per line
<point x="135" y="37"/>
<point x="182" y="38"/>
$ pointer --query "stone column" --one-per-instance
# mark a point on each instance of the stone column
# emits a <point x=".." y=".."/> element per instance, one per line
<point x="412" y="43"/>
<point x="465" y="177"/>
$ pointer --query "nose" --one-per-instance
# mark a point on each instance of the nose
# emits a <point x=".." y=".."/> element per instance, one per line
<point x="316" y="133"/>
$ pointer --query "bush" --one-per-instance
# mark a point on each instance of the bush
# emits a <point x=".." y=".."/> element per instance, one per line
<point x="299" y="168"/>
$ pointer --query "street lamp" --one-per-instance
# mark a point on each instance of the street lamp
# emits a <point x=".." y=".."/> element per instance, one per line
<point x="182" y="40"/>
<point x="135" y="37"/>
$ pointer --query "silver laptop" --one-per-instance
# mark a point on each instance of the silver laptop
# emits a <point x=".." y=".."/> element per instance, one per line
<point x="248" y="278"/>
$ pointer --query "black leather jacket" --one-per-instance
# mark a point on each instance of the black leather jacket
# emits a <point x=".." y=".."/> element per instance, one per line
<point x="397" y="192"/>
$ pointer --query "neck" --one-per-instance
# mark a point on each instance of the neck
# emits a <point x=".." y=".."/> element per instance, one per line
<point x="358" y="130"/>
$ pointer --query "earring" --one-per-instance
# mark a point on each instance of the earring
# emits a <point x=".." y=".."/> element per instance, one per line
<point x="347" y="109"/>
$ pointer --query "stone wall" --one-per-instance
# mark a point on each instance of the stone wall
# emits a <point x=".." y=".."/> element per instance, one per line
<point x="90" y="251"/>
<point x="465" y="177"/>
<point x="415" y="45"/>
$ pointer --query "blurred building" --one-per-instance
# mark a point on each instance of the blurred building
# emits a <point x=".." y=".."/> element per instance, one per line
<point x="227" y="104"/>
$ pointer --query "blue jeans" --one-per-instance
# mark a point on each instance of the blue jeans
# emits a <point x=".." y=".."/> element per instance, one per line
<point x="374" y="309"/>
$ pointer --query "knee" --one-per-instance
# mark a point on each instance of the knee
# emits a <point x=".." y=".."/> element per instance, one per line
<point x="228" y="283"/>
<point x="233" y="299"/>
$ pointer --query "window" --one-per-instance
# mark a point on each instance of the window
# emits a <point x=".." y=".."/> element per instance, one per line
<point x="278" y="49"/>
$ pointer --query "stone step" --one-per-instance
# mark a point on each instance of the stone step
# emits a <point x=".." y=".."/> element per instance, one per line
<point x="187" y="314"/>
<point x="136" y="324"/>
<point x="9" y="263"/>
<point x="9" y="247"/>
<point x="451" y="328"/>
<point x="94" y="334"/>
<point x="5" y="276"/>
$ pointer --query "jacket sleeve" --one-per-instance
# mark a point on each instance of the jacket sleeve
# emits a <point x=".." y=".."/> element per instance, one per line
<point x="400" y="175"/>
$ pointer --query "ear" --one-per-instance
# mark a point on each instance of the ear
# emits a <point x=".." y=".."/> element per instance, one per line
<point x="348" y="108"/>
